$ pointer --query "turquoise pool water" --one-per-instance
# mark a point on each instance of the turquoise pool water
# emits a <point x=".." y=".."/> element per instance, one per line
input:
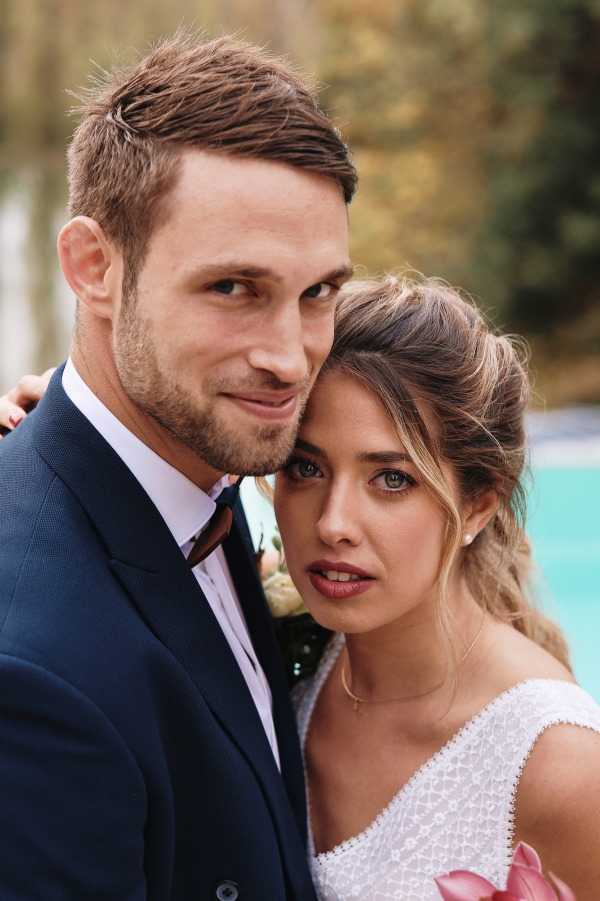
<point x="564" y="525"/>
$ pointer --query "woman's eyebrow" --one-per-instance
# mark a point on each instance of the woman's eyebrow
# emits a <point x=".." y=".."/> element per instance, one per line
<point x="384" y="457"/>
<point x="391" y="456"/>
<point x="310" y="448"/>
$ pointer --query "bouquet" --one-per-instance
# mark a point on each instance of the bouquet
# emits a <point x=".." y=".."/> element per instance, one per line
<point x="526" y="882"/>
<point x="300" y="638"/>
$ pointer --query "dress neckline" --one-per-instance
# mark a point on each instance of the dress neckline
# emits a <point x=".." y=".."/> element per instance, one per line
<point x="328" y="661"/>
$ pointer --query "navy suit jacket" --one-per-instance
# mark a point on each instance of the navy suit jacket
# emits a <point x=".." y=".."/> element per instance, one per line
<point x="133" y="763"/>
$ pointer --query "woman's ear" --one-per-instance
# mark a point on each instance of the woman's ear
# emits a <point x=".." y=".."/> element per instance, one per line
<point x="88" y="261"/>
<point x="478" y="512"/>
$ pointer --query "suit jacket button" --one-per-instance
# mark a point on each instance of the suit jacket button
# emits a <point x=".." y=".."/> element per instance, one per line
<point x="227" y="891"/>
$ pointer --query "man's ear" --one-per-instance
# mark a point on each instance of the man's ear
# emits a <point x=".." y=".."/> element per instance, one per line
<point x="89" y="261"/>
<point x="478" y="512"/>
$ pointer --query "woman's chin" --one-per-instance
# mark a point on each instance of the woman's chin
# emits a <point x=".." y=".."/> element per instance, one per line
<point x="339" y="616"/>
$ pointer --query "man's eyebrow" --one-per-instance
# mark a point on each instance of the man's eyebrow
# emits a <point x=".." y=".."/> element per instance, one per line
<point x="231" y="268"/>
<point x="341" y="274"/>
<point x="243" y="269"/>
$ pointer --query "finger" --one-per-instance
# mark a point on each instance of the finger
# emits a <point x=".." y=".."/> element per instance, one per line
<point x="28" y="390"/>
<point x="10" y="414"/>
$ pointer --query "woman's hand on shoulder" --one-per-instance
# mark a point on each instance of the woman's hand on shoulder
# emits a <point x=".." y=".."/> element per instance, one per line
<point x="558" y="806"/>
<point x="15" y="404"/>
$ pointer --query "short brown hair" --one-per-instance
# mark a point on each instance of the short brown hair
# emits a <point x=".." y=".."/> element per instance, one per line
<point x="222" y="95"/>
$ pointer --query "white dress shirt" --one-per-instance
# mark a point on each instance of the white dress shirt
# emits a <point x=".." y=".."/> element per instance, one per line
<point x="185" y="509"/>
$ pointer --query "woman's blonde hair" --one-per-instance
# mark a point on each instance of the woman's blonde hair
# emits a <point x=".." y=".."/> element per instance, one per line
<point x="419" y="345"/>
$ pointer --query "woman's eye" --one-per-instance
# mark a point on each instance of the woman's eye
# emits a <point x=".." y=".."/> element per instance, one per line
<point x="394" y="480"/>
<point x="322" y="291"/>
<point x="229" y="287"/>
<point x="302" y="469"/>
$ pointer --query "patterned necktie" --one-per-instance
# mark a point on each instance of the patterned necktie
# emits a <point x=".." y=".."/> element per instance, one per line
<point x="218" y="526"/>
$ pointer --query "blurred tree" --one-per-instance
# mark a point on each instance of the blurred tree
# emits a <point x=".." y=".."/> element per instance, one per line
<point x="407" y="82"/>
<point x="475" y="129"/>
<point x="539" y="260"/>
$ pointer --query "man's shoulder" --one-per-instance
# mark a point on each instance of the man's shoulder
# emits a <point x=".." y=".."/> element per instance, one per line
<point x="40" y="515"/>
<point x="22" y="470"/>
<point x="63" y="613"/>
<point x="59" y="600"/>
<point x="29" y="500"/>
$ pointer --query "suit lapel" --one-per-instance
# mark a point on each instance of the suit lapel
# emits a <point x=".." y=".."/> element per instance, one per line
<point x="240" y="558"/>
<point x="147" y="561"/>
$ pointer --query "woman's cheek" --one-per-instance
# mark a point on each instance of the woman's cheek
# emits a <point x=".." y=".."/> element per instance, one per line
<point x="279" y="503"/>
<point x="288" y="516"/>
<point x="406" y="538"/>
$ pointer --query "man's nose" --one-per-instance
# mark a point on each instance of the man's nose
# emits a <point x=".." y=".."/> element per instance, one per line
<point x="281" y="348"/>
<point x="339" y="519"/>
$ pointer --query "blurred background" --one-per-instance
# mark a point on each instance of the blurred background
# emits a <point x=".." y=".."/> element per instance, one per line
<point x="476" y="131"/>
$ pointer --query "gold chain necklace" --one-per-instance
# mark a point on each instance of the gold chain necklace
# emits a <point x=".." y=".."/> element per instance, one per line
<point x="357" y="701"/>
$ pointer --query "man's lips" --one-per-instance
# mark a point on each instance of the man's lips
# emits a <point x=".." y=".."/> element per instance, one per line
<point x="269" y="405"/>
<point x="338" y="580"/>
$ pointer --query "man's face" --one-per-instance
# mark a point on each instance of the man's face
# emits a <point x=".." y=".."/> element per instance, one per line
<point x="233" y="313"/>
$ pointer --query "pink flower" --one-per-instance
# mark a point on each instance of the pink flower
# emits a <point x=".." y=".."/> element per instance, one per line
<point x="525" y="882"/>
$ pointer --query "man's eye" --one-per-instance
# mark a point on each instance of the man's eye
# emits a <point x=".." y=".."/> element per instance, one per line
<point x="321" y="291"/>
<point x="394" y="481"/>
<point x="229" y="287"/>
<point x="302" y="469"/>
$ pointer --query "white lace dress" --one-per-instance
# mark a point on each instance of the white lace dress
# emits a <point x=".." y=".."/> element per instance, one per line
<point x="457" y="810"/>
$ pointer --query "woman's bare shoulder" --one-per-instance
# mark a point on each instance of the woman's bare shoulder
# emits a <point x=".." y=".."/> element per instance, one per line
<point x="564" y="764"/>
<point x="514" y="658"/>
<point x="558" y="805"/>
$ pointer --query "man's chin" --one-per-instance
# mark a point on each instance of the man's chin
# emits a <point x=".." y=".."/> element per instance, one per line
<point x="256" y="445"/>
<point x="261" y="457"/>
<point x="241" y="451"/>
<point x="227" y="443"/>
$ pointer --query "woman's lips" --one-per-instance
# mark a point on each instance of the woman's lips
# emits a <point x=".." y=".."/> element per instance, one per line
<point x="337" y="566"/>
<point x="336" y="579"/>
<point x="338" y="590"/>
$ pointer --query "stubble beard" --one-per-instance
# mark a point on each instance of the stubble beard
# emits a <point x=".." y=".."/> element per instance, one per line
<point x="255" y="451"/>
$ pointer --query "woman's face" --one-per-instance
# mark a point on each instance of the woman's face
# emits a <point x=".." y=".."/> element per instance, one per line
<point x="363" y="535"/>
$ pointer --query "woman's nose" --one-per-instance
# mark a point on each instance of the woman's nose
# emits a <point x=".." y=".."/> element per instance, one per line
<point x="339" y="521"/>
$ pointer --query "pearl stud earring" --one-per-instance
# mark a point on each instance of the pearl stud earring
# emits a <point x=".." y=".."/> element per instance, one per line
<point x="468" y="539"/>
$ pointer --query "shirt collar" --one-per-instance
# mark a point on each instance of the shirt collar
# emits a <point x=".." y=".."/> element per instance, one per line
<point x="185" y="507"/>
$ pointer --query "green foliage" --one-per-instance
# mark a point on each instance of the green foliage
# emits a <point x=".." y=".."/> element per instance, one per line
<point x="540" y="261"/>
